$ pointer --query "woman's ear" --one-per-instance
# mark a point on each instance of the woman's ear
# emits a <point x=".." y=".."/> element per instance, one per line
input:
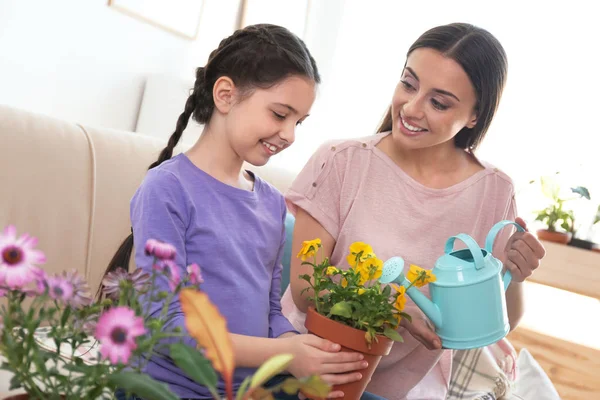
<point x="473" y="121"/>
<point x="223" y="94"/>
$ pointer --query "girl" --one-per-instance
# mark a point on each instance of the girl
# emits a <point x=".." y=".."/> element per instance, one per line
<point x="413" y="185"/>
<point x="256" y="87"/>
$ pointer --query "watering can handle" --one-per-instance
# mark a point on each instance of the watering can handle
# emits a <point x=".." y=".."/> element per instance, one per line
<point x="471" y="244"/>
<point x="491" y="238"/>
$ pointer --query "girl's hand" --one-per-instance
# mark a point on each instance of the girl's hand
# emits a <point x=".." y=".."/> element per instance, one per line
<point x="316" y="356"/>
<point x="523" y="253"/>
<point x="422" y="330"/>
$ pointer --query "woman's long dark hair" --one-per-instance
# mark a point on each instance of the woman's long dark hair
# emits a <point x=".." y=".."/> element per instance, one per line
<point x="483" y="59"/>
<point x="258" y="56"/>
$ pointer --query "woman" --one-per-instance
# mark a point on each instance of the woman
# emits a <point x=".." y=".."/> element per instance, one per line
<point x="413" y="185"/>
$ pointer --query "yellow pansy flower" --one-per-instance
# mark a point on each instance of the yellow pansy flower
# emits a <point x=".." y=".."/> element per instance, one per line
<point x="331" y="270"/>
<point x="401" y="299"/>
<point x="420" y="276"/>
<point x="370" y="269"/>
<point x="361" y="291"/>
<point x="359" y="250"/>
<point x="344" y="283"/>
<point x="309" y="248"/>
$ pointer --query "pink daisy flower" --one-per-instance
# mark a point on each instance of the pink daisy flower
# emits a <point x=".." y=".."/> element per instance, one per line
<point x="160" y="250"/>
<point x="170" y="269"/>
<point x="59" y="288"/>
<point x="195" y="274"/>
<point x="117" y="330"/>
<point x="17" y="258"/>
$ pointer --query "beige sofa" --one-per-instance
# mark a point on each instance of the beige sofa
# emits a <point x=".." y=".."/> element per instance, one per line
<point x="70" y="186"/>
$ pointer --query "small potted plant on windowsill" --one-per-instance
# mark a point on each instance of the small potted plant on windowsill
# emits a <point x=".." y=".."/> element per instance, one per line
<point x="559" y="221"/>
<point x="352" y="308"/>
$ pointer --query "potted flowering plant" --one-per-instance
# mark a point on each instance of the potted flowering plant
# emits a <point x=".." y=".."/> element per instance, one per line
<point x="558" y="219"/>
<point x="353" y="309"/>
<point x="59" y="343"/>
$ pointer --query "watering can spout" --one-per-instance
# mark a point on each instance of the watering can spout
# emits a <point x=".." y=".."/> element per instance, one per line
<point x="392" y="273"/>
<point x="427" y="306"/>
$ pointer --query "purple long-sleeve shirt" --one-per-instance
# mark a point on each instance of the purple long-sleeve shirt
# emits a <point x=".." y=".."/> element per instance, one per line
<point x="237" y="238"/>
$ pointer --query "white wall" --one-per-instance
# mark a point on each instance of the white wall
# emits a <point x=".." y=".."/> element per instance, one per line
<point x="165" y="96"/>
<point x="83" y="61"/>
<point x="547" y="118"/>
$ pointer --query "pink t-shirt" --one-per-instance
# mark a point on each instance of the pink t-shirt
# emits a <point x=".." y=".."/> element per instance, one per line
<point x="357" y="193"/>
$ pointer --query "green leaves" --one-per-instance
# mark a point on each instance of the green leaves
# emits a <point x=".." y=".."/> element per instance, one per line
<point x="273" y="366"/>
<point x="393" y="334"/>
<point x="313" y="387"/>
<point x="15" y="383"/>
<point x="195" y="365"/>
<point x="342" y="309"/>
<point x="142" y="386"/>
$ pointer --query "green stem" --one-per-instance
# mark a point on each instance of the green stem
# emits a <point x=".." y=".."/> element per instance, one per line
<point x="16" y="365"/>
<point x="163" y="313"/>
<point x="151" y="291"/>
<point x="422" y="274"/>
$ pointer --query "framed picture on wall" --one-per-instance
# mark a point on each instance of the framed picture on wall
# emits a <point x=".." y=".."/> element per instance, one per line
<point x="180" y="17"/>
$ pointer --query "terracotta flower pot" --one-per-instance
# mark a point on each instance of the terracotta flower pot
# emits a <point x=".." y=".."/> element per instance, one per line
<point x="556" y="237"/>
<point x="350" y="339"/>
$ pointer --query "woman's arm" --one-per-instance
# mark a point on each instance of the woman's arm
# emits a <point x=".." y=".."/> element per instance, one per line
<point x="522" y="256"/>
<point x="515" y="303"/>
<point x="306" y="228"/>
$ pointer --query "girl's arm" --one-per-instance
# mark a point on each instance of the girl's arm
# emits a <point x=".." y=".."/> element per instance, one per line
<point x="306" y="228"/>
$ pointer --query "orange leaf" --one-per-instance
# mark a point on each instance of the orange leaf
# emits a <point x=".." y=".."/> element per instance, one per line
<point x="205" y="323"/>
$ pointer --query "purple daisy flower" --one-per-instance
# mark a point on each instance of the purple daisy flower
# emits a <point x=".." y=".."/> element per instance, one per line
<point x="81" y="290"/>
<point x="59" y="288"/>
<point x="111" y="283"/>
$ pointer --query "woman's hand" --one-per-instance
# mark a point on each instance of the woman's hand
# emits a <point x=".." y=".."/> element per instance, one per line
<point x="523" y="253"/>
<point x="422" y="330"/>
<point x="316" y="356"/>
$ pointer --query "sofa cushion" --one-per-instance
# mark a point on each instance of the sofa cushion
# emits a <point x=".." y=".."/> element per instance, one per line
<point x="46" y="170"/>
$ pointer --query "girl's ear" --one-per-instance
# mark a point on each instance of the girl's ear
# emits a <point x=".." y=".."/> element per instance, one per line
<point x="223" y="94"/>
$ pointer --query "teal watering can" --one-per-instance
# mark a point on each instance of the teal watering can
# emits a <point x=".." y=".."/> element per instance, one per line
<point x="467" y="305"/>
